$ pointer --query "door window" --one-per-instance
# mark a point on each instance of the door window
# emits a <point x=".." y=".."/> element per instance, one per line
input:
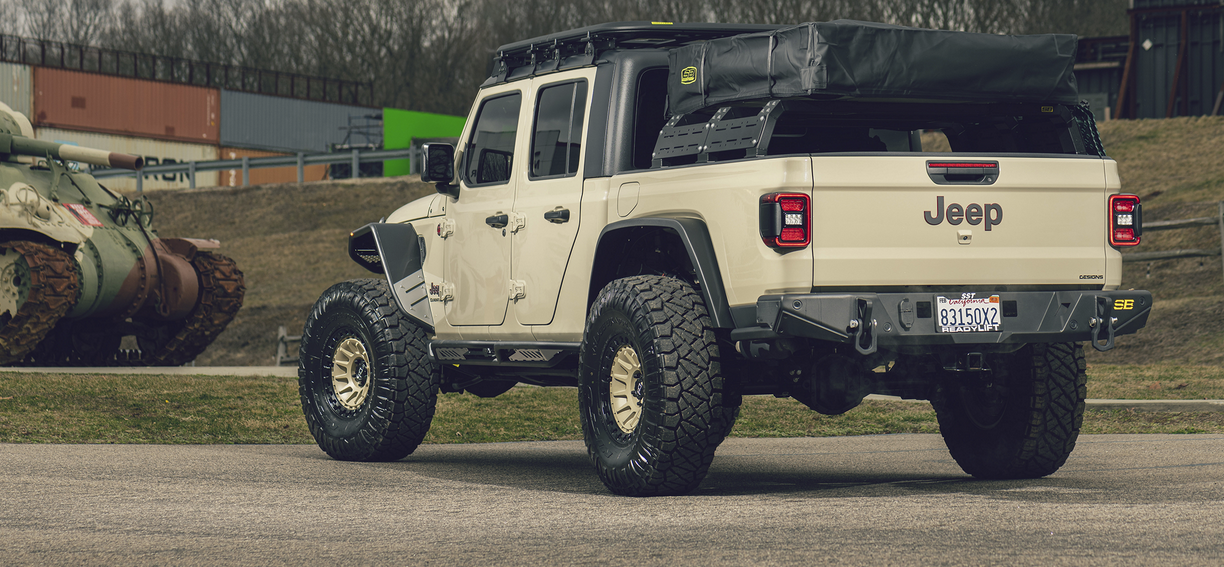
<point x="491" y="149"/>
<point x="557" y="138"/>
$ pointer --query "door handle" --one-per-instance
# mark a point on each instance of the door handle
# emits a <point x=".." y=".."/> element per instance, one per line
<point x="498" y="221"/>
<point x="557" y="216"/>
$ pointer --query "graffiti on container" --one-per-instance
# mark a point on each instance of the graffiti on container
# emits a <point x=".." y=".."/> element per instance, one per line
<point x="149" y="160"/>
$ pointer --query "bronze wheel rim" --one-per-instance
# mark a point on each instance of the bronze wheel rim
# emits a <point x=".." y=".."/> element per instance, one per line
<point x="625" y="389"/>
<point x="351" y="373"/>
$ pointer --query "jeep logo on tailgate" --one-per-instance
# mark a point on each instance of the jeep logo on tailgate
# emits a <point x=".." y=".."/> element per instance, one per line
<point x="972" y="213"/>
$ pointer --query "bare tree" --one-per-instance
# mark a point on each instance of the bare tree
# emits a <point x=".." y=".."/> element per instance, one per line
<point x="80" y="22"/>
<point x="8" y="18"/>
<point x="431" y="55"/>
<point x="148" y="26"/>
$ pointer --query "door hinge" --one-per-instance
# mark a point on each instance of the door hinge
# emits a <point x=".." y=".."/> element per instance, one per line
<point x="446" y="227"/>
<point x="441" y="291"/>
<point x="518" y="289"/>
<point x="517" y="222"/>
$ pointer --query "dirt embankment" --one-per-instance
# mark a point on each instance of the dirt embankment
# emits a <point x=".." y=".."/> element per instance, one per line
<point x="291" y="242"/>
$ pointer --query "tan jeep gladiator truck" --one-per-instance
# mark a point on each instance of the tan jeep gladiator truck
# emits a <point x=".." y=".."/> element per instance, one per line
<point x="672" y="217"/>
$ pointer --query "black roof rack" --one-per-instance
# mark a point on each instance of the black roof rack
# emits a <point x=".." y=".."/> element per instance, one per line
<point x="551" y="52"/>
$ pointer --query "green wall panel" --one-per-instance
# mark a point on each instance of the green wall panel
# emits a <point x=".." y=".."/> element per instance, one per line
<point x="401" y="126"/>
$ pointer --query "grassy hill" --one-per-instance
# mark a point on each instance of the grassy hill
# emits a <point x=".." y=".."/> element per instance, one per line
<point x="290" y="240"/>
<point x="1176" y="168"/>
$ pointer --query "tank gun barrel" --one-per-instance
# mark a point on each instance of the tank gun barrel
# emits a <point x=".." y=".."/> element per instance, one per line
<point x="21" y="145"/>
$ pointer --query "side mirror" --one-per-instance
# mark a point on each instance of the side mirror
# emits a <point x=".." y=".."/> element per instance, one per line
<point x="439" y="167"/>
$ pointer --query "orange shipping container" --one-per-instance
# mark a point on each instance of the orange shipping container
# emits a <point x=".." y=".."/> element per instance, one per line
<point x="233" y="177"/>
<point x="117" y="105"/>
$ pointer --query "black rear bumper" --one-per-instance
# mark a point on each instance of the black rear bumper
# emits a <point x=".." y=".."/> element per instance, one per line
<point x="891" y="320"/>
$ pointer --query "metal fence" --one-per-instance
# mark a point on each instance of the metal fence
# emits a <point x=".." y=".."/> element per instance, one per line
<point x="1217" y="220"/>
<point x="301" y="160"/>
<point x="284" y="354"/>
<point x="47" y="53"/>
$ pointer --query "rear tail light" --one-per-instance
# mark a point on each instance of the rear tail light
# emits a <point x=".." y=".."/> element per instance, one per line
<point x="786" y="220"/>
<point x="1125" y="220"/>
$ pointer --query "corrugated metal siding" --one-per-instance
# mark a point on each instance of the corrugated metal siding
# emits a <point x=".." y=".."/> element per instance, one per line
<point x="1101" y="81"/>
<point x="233" y="177"/>
<point x="284" y="124"/>
<point x="115" y="105"/>
<point x="17" y="87"/>
<point x="1156" y="64"/>
<point x="1205" y="62"/>
<point x="1139" y="4"/>
<point x="154" y="151"/>
<point x="1099" y="62"/>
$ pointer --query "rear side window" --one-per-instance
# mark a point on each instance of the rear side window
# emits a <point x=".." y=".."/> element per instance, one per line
<point x="556" y="140"/>
<point x="490" y="152"/>
<point x="809" y="126"/>
<point x="650" y="114"/>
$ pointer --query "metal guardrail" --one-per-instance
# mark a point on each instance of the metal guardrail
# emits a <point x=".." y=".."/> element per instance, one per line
<point x="1217" y="220"/>
<point x="282" y="347"/>
<point x="301" y="160"/>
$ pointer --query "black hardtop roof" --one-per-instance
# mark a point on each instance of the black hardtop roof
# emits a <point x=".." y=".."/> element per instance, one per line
<point x="639" y="34"/>
<point x="580" y="47"/>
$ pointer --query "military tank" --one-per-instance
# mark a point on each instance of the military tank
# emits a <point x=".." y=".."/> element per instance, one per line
<point x="84" y="279"/>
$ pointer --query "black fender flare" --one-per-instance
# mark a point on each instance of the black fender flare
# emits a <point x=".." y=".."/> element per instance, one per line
<point x="696" y="239"/>
<point x="397" y="251"/>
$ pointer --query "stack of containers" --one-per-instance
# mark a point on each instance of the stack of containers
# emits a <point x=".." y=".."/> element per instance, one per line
<point x="255" y="125"/>
<point x="170" y="122"/>
<point x="16" y="84"/>
<point x="163" y="122"/>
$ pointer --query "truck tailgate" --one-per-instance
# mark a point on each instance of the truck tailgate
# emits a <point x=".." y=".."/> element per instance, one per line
<point x="884" y="220"/>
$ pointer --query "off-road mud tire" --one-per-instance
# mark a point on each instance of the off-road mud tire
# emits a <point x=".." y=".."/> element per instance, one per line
<point x="392" y="419"/>
<point x="53" y="288"/>
<point x="1026" y="427"/>
<point x="682" y="415"/>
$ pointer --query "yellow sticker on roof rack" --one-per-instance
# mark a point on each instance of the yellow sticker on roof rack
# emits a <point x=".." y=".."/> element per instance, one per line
<point x="688" y="75"/>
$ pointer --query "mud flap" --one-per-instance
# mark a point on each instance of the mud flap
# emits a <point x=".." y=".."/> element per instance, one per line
<point x="397" y="251"/>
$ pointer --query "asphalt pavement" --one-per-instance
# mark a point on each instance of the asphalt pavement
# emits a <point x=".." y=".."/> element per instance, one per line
<point x="876" y="500"/>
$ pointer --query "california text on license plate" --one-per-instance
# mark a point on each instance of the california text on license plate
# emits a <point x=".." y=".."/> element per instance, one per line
<point x="968" y="314"/>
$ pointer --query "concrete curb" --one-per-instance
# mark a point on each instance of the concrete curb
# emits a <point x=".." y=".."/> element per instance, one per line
<point x="1136" y="405"/>
<point x="279" y="371"/>
<point x="291" y="372"/>
<point x="1157" y="405"/>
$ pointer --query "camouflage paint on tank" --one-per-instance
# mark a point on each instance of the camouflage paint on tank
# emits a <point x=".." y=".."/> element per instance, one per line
<point x="125" y="280"/>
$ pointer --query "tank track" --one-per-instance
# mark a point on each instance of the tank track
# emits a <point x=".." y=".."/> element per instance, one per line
<point x="54" y="289"/>
<point x="75" y="343"/>
<point x="222" y="288"/>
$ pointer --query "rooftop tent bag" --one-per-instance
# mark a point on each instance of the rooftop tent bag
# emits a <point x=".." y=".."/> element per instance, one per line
<point x="846" y="58"/>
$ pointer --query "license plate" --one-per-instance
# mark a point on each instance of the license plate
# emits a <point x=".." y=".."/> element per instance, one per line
<point x="968" y="314"/>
